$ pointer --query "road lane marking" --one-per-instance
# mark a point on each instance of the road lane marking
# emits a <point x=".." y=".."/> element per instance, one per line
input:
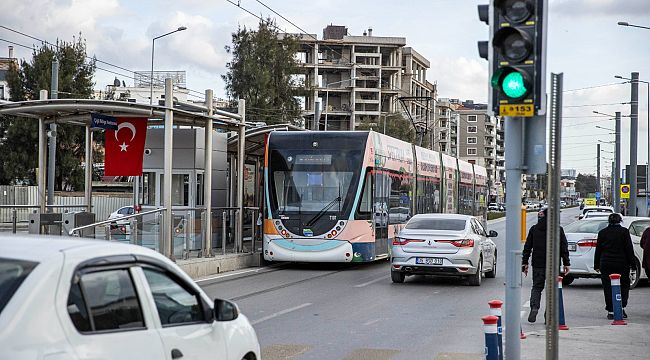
<point x="370" y="282"/>
<point x="371" y="322"/>
<point x="230" y="274"/>
<point x="279" y="313"/>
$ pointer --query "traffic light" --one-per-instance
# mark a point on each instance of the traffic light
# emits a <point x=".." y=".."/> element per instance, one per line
<point x="516" y="53"/>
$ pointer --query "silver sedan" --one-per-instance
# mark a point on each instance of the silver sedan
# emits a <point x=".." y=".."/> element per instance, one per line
<point x="444" y="244"/>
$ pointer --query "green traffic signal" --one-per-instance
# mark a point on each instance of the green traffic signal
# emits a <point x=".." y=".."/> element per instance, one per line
<point x="513" y="85"/>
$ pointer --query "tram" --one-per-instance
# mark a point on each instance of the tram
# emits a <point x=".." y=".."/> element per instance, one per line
<point x="342" y="196"/>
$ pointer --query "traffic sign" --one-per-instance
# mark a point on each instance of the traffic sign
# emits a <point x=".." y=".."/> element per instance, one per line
<point x="597" y="195"/>
<point x="625" y="191"/>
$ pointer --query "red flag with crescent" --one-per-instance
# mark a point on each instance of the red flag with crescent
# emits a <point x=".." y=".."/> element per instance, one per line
<point x="125" y="147"/>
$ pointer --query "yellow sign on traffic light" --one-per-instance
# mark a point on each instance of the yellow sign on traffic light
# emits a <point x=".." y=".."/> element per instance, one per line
<point x="625" y="191"/>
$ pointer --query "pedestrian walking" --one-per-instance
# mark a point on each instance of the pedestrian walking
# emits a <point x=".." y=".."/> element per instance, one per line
<point x="614" y="255"/>
<point x="645" y="244"/>
<point x="536" y="244"/>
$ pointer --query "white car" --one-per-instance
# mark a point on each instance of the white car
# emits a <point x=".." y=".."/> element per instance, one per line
<point x="65" y="298"/>
<point x="581" y="237"/>
<point x="603" y="209"/>
<point x="122" y="212"/>
<point x="444" y="244"/>
<point x="596" y="214"/>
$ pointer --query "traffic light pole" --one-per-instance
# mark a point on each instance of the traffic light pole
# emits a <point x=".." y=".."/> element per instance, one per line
<point x="514" y="143"/>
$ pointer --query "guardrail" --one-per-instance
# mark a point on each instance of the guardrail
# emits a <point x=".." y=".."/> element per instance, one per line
<point x="14" y="212"/>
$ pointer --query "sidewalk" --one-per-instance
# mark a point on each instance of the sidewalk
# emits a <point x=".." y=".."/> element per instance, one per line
<point x="627" y="342"/>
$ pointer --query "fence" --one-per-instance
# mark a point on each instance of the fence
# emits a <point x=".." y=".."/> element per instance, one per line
<point x="103" y="203"/>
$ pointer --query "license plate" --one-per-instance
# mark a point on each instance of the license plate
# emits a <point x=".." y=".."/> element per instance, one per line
<point x="526" y="110"/>
<point x="429" y="261"/>
<point x="572" y="247"/>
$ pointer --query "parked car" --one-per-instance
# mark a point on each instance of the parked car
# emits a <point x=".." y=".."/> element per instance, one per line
<point x="91" y="299"/>
<point x="122" y="212"/>
<point x="581" y="236"/>
<point x="493" y="207"/>
<point x="563" y="204"/>
<point x="444" y="244"/>
<point x="596" y="214"/>
<point x="605" y="209"/>
<point x="399" y="215"/>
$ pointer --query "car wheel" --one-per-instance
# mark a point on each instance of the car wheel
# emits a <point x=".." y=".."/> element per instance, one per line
<point x="397" y="276"/>
<point x="567" y="280"/>
<point x="635" y="275"/>
<point x="492" y="273"/>
<point x="475" y="280"/>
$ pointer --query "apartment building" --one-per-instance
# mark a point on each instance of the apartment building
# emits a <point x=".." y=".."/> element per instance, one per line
<point x="5" y="64"/>
<point x="481" y="142"/>
<point x="360" y="78"/>
<point x="446" y="126"/>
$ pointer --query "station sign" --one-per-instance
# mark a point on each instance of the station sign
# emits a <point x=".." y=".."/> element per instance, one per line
<point x="99" y="121"/>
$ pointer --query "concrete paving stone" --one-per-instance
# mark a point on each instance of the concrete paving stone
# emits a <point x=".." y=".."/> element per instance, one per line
<point x="630" y="342"/>
<point x="372" y="354"/>
<point x="283" y="352"/>
<point x="459" y="356"/>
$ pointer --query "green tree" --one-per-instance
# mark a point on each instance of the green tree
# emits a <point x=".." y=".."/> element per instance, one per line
<point x="586" y="184"/>
<point x="395" y="125"/>
<point x="261" y="72"/>
<point x="19" y="136"/>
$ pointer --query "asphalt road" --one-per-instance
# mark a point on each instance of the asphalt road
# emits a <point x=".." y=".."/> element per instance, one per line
<point x="356" y="312"/>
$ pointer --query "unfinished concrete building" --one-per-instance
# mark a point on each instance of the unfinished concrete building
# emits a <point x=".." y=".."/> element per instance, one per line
<point x="359" y="78"/>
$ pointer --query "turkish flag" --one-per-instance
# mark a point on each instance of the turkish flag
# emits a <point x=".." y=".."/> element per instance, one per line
<point x="125" y="147"/>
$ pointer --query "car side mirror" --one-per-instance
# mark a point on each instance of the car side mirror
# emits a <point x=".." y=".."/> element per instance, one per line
<point x="225" y="310"/>
<point x="493" y="233"/>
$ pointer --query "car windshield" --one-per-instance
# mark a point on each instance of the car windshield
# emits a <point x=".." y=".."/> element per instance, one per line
<point x="592" y="227"/>
<point x="12" y="274"/>
<point x="423" y="223"/>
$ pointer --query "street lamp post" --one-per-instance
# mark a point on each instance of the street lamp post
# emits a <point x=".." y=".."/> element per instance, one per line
<point x="624" y="23"/>
<point x="327" y="96"/>
<point x="648" y="113"/>
<point x="617" y="157"/>
<point x="153" y="44"/>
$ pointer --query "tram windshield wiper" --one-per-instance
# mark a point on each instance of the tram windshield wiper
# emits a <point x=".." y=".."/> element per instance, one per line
<point x="323" y="211"/>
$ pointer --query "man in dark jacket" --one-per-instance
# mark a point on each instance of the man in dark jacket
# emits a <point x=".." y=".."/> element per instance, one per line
<point x="536" y="243"/>
<point x="614" y="255"/>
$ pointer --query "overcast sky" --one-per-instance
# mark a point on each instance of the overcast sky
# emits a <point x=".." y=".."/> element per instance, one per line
<point x="584" y="43"/>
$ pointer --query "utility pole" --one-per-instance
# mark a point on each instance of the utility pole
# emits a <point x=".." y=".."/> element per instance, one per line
<point x="54" y="94"/>
<point x="598" y="168"/>
<point x="617" y="159"/>
<point x="634" y="140"/>
<point x="316" y="125"/>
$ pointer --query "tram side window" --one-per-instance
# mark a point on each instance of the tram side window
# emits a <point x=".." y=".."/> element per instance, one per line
<point x="400" y="199"/>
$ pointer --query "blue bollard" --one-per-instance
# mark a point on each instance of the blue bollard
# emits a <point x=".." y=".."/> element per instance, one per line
<point x="495" y="310"/>
<point x="491" y="337"/>
<point x="615" y="280"/>
<point x="560" y="298"/>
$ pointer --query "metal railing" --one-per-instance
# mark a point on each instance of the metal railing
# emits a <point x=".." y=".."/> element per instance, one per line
<point x="15" y="208"/>
<point x="188" y="235"/>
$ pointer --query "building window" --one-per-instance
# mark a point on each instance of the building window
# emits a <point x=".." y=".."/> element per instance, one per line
<point x="443" y="136"/>
<point x="443" y="147"/>
<point x="471" y="151"/>
<point x="472" y="129"/>
<point x="471" y="140"/>
<point x="2" y="92"/>
<point x="471" y="118"/>
<point x="443" y="123"/>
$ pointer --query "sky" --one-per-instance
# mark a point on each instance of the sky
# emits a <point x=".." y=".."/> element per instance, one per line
<point x="584" y="43"/>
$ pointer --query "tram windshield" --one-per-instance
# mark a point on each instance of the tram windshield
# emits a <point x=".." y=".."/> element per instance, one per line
<point x="313" y="183"/>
